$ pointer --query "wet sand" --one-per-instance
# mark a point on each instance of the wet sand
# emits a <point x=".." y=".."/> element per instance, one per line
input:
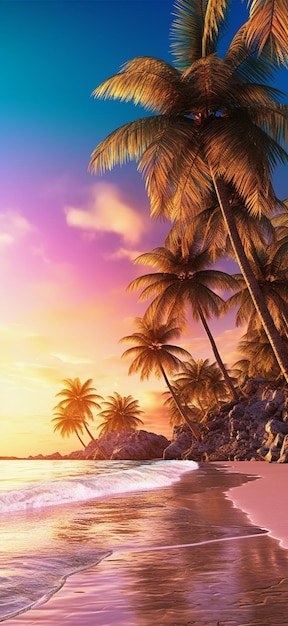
<point x="214" y="568"/>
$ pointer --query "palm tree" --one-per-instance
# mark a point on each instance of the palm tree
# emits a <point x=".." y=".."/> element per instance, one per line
<point x="209" y="222"/>
<point x="78" y="399"/>
<point x="120" y="414"/>
<point x="186" y="280"/>
<point x="202" y="385"/>
<point x="280" y="222"/>
<point x="193" y="412"/>
<point x="258" y="358"/>
<point x="215" y="127"/>
<point x="152" y="352"/>
<point x="274" y="286"/>
<point x="68" y="424"/>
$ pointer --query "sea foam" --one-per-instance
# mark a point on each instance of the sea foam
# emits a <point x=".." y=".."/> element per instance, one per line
<point x="55" y="492"/>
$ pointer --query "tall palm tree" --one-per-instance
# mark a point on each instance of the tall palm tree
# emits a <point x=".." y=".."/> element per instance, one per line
<point x="121" y="414"/>
<point x="68" y="424"/>
<point x="79" y="399"/>
<point x="153" y="353"/>
<point x="186" y="280"/>
<point x="214" y="125"/>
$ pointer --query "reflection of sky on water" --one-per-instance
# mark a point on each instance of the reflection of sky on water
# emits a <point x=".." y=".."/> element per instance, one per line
<point x="235" y="581"/>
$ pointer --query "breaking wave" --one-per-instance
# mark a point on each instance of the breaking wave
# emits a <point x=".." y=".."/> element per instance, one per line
<point x="69" y="490"/>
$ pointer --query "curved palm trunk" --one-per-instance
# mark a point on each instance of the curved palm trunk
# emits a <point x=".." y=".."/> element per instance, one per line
<point x="81" y="440"/>
<point x="93" y="439"/>
<point x="220" y="363"/>
<point x="275" y="340"/>
<point x="192" y="427"/>
<point x="88" y="431"/>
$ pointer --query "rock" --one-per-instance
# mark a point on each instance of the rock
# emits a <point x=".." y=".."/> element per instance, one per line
<point x="179" y="446"/>
<point x="285" y="411"/>
<point x="130" y="445"/>
<point x="237" y="411"/>
<point x="283" y="457"/>
<point x="253" y="429"/>
<point x="55" y="456"/>
<point x="263" y="451"/>
<point x="273" y="395"/>
<point x="76" y="455"/>
<point x="275" y="426"/>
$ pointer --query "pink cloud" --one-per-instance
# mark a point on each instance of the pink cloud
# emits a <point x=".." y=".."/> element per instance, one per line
<point x="105" y="211"/>
<point x="13" y="226"/>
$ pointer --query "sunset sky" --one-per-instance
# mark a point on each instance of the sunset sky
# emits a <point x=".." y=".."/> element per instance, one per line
<point x="68" y="238"/>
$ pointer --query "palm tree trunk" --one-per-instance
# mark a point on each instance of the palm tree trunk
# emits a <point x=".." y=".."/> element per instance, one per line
<point x="275" y="340"/>
<point x="93" y="439"/>
<point x="88" y="431"/>
<point x="81" y="440"/>
<point x="192" y="427"/>
<point x="220" y="363"/>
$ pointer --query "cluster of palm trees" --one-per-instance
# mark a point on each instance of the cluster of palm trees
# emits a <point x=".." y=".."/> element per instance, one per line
<point x="207" y="151"/>
<point x="75" y="410"/>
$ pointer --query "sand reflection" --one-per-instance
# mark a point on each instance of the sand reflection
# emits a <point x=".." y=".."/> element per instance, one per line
<point x="235" y="579"/>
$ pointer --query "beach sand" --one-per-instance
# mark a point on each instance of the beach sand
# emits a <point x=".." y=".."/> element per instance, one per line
<point x="265" y="500"/>
<point x="226" y="581"/>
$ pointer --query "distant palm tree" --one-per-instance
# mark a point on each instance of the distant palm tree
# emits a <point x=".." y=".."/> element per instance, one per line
<point x="192" y="412"/>
<point x="202" y="385"/>
<point x="258" y="358"/>
<point x="68" y="424"/>
<point x="78" y="399"/>
<point x="120" y="414"/>
<point x="154" y="354"/>
<point x="210" y="223"/>
<point x="280" y="222"/>
<point x="215" y="126"/>
<point x="186" y="280"/>
<point x="272" y="278"/>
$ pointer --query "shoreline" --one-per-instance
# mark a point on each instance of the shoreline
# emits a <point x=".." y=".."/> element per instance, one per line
<point x="263" y="500"/>
<point x="105" y="595"/>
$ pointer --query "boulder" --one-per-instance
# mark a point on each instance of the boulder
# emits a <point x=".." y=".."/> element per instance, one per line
<point x="256" y="428"/>
<point x="131" y="445"/>
<point x="275" y="426"/>
<point x="181" y="442"/>
<point x="283" y="456"/>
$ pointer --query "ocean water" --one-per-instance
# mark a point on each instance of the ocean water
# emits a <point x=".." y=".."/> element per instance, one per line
<point x="153" y="542"/>
<point x="53" y="524"/>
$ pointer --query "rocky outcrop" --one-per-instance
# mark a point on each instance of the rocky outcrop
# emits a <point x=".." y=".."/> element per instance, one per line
<point x="55" y="456"/>
<point x="131" y="445"/>
<point x="77" y="455"/>
<point x="180" y="443"/>
<point x="255" y="429"/>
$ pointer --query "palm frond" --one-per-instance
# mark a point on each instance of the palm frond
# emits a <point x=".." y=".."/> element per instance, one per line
<point x="242" y="162"/>
<point x="267" y="27"/>
<point x="174" y="150"/>
<point x="128" y="142"/>
<point x="195" y="29"/>
<point x="215" y="21"/>
<point x="245" y="62"/>
<point x="150" y="82"/>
